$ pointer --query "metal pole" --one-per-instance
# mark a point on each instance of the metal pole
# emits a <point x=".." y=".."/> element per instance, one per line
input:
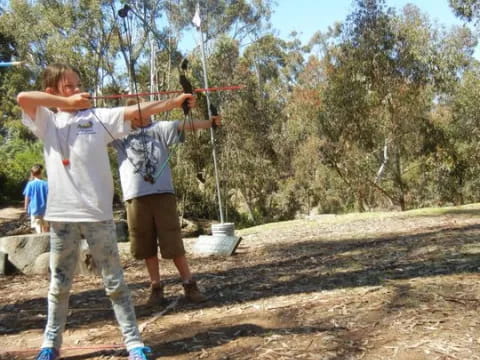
<point x="152" y="67"/>
<point x="212" y="134"/>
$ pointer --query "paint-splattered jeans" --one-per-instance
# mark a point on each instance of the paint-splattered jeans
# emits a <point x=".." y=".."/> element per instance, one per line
<point x="64" y="249"/>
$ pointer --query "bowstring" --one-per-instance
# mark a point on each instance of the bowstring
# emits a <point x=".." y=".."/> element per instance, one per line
<point x="147" y="161"/>
<point x="187" y="117"/>
<point x="122" y="147"/>
<point x="149" y="175"/>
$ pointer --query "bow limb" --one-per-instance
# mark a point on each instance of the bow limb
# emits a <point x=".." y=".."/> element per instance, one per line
<point x="148" y="163"/>
<point x="186" y="85"/>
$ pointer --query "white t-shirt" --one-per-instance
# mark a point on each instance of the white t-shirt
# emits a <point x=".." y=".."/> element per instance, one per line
<point x="83" y="190"/>
<point x="145" y="151"/>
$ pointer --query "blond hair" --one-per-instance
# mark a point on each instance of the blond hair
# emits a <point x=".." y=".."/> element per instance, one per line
<point x="53" y="73"/>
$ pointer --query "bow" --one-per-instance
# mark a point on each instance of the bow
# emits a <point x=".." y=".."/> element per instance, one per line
<point x="187" y="89"/>
<point x="186" y="84"/>
<point x="149" y="167"/>
<point x="151" y="171"/>
<point x="148" y="164"/>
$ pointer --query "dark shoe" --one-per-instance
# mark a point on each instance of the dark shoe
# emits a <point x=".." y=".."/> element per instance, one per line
<point x="156" y="295"/>
<point x="192" y="293"/>
<point x="48" y="354"/>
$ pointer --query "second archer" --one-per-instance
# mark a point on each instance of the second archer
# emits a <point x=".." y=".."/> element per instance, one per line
<point x="150" y="200"/>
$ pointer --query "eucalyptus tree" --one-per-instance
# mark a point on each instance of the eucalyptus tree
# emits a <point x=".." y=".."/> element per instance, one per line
<point x="43" y="32"/>
<point x="238" y="19"/>
<point x="464" y="122"/>
<point x="74" y="32"/>
<point x="360" y="83"/>
<point x="466" y="9"/>
<point x="227" y="27"/>
<point x="17" y="149"/>
<point x="269" y="68"/>
<point x="383" y="79"/>
<point x="461" y="121"/>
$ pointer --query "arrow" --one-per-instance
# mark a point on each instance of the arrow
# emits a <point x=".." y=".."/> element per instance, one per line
<point x="11" y="63"/>
<point x="167" y="92"/>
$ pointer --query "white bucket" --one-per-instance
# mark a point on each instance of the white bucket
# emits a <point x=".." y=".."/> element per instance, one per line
<point x="223" y="229"/>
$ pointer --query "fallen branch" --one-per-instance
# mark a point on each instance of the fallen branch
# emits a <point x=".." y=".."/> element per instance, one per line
<point x="157" y="315"/>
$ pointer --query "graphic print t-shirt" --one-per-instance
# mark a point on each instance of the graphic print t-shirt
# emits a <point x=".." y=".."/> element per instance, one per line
<point x="145" y="151"/>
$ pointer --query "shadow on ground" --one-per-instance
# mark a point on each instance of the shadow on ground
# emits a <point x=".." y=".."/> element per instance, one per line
<point x="304" y="267"/>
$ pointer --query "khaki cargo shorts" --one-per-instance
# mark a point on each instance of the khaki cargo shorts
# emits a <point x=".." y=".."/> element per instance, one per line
<point x="153" y="223"/>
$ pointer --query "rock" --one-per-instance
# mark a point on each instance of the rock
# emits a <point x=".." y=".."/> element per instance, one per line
<point x="222" y="245"/>
<point x="6" y="267"/>
<point x="121" y="227"/>
<point x="41" y="264"/>
<point x="23" y="250"/>
<point x="189" y="228"/>
<point x="3" y="263"/>
<point x="85" y="264"/>
<point x="30" y="254"/>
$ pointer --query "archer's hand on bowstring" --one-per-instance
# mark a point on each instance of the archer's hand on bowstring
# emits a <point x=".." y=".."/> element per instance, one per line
<point x="79" y="101"/>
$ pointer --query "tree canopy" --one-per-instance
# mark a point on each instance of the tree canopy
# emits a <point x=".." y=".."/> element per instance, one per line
<point x="378" y="112"/>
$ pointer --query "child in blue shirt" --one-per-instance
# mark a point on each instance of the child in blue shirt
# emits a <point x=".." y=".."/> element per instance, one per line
<point x="35" y="193"/>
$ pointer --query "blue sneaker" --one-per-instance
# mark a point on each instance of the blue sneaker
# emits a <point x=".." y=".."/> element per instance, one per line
<point x="48" y="354"/>
<point x="139" y="353"/>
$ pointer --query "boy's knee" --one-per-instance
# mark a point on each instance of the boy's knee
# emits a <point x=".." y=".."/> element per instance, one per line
<point x="60" y="284"/>
<point x="57" y="293"/>
<point x="116" y="290"/>
<point x="117" y="293"/>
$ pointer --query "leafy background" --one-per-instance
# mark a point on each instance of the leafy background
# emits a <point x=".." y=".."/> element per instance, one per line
<point x="379" y="112"/>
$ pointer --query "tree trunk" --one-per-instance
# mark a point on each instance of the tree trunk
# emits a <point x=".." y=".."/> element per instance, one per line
<point x="399" y="181"/>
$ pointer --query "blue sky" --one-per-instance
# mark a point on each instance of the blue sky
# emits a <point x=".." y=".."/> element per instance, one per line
<point x="309" y="16"/>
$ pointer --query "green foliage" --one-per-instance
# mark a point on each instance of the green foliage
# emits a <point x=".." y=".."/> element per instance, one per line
<point x="466" y="9"/>
<point x="381" y="88"/>
<point x="380" y="112"/>
<point x="17" y="157"/>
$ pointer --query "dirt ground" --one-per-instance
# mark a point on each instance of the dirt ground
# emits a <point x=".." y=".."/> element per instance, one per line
<point x="363" y="286"/>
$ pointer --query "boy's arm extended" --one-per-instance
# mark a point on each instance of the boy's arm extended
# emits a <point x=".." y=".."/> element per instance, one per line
<point x="30" y="100"/>
<point x="150" y="108"/>
<point x="199" y="124"/>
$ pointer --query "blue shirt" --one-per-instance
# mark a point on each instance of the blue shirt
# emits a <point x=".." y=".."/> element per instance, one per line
<point x="36" y="191"/>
